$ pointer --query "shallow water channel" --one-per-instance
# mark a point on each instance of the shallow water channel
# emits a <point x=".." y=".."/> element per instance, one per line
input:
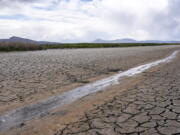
<point x="15" y="117"/>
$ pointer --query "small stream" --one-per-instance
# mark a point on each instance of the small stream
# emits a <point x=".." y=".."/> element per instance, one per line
<point x="20" y="115"/>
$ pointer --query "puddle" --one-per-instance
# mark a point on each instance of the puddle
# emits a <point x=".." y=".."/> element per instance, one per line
<point x="20" y="115"/>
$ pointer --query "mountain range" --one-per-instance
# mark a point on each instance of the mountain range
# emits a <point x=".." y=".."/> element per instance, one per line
<point x="124" y="40"/>
<point x="24" y="40"/>
<point x="129" y="40"/>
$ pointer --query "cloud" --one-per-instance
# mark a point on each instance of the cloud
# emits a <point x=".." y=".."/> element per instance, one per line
<point x="167" y="24"/>
<point x="86" y="20"/>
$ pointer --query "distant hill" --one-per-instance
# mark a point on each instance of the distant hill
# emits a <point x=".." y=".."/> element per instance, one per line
<point x="24" y="40"/>
<point x="125" y="40"/>
<point x="128" y="40"/>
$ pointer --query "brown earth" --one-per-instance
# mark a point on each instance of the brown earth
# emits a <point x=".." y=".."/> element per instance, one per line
<point x="27" y="77"/>
<point x="151" y="107"/>
<point x="145" y="104"/>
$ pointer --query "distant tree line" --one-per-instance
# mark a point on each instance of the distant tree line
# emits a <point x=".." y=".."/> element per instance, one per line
<point x="20" y="46"/>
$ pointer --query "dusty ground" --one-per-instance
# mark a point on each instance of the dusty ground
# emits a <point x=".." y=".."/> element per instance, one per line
<point x="146" y="104"/>
<point x="30" y="76"/>
<point x="151" y="107"/>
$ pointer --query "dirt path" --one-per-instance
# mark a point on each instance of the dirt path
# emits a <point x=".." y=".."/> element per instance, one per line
<point x="152" y="107"/>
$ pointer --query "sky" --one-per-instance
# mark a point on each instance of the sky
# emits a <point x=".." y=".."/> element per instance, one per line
<point x="87" y="20"/>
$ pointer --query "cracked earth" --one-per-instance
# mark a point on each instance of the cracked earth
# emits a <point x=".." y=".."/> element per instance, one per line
<point x="151" y="107"/>
<point x="27" y="77"/>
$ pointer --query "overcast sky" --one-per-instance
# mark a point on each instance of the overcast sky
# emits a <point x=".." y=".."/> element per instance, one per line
<point x="87" y="20"/>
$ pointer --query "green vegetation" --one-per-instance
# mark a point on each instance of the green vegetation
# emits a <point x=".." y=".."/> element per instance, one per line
<point x="100" y="45"/>
<point x="6" y="47"/>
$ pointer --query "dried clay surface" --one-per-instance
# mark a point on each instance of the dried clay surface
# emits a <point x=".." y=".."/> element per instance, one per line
<point x="24" y="76"/>
<point x="152" y="107"/>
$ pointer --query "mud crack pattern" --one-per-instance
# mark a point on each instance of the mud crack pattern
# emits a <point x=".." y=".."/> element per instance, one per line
<point x="152" y="107"/>
<point x="25" y="76"/>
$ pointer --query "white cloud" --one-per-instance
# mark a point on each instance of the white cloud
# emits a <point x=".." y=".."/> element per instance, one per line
<point x="77" y="20"/>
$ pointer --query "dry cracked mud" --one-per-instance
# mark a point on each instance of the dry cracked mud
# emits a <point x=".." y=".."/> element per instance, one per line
<point x="26" y="77"/>
<point x="151" y="107"/>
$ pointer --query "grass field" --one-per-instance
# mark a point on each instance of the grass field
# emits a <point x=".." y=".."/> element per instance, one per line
<point x="6" y="47"/>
